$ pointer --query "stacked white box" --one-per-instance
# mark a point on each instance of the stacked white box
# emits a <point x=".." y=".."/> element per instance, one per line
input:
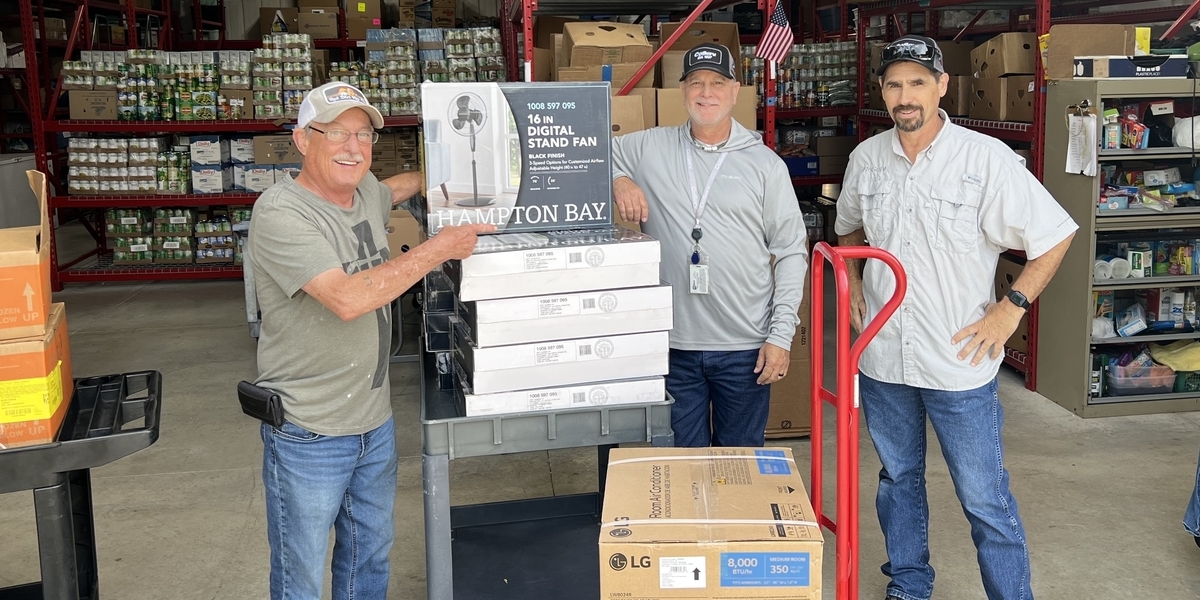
<point x="560" y="321"/>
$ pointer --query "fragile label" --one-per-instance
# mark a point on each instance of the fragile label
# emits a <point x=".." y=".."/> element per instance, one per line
<point x="31" y="399"/>
<point x="765" y="569"/>
<point x="681" y="572"/>
<point x="179" y="220"/>
<point x="129" y="221"/>
<point x="558" y="306"/>
<point x="549" y="354"/>
<point x="543" y="260"/>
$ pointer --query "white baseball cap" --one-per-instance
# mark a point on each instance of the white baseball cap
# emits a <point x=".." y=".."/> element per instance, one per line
<point x="325" y="103"/>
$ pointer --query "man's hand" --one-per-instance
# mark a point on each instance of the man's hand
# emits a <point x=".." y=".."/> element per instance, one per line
<point x="631" y="202"/>
<point x="458" y="241"/>
<point x="858" y="305"/>
<point x="989" y="333"/>
<point x="772" y="364"/>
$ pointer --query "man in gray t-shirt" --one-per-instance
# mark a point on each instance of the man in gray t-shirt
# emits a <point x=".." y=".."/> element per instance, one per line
<point x="324" y="279"/>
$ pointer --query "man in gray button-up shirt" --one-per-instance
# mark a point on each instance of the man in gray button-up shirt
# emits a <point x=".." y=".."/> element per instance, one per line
<point x="946" y="201"/>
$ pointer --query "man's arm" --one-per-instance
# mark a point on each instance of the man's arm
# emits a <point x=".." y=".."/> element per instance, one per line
<point x="1001" y="319"/>
<point x="849" y="226"/>
<point x="404" y="186"/>
<point x="352" y="296"/>
<point x="629" y="198"/>
<point x="787" y="241"/>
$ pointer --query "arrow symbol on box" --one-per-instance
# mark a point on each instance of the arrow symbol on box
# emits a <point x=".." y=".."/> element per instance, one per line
<point x="696" y="574"/>
<point x="790" y="489"/>
<point x="28" y="293"/>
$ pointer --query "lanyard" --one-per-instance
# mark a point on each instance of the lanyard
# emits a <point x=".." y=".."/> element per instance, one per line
<point x="699" y="203"/>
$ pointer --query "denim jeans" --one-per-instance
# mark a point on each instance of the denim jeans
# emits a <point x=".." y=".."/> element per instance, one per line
<point x="314" y="483"/>
<point x="967" y="425"/>
<point x="1191" y="520"/>
<point x="718" y="401"/>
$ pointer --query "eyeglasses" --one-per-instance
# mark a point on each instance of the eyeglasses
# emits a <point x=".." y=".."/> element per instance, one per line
<point x="911" y="49"/>
<point x="339" y="136"/>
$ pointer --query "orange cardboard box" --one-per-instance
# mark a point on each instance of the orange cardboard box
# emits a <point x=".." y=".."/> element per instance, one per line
<point x="25" y="272"/>
<point x="36" y="385"/>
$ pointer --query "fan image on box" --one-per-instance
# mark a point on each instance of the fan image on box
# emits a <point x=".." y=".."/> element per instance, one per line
<point x="467" y="117"/>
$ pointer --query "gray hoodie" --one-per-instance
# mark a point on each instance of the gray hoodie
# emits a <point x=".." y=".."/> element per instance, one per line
<point x="752" y="215"/>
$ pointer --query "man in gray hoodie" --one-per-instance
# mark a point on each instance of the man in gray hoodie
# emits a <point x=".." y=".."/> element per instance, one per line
<point x="722" y="206"/>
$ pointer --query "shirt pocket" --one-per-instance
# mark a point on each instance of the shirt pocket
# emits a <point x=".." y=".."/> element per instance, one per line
<point x="957" y="229"/>
<point x="875" y="190"/>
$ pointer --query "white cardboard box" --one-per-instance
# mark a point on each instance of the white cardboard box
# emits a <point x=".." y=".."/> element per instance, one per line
<point x="259" y="177"/>
<point x="564" y="363"/>
<point x="211" y="180"/>
<point x="209" y="150"/>
<point x="533" y="264"/>
<point x="566" y="316"/>
<point x="241" y="149"/>
<point x="610" y="393"/>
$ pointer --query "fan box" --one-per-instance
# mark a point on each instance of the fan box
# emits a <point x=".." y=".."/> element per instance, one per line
<point x="521" y="156"/>
<point x="564" y="316"/>
<point x="591" y="396"/>
<point x="562" y="363"/>
<point x="535" y="264"/>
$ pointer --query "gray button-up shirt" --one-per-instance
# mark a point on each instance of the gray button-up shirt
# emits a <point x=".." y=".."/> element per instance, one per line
<point x="946" y="217"/>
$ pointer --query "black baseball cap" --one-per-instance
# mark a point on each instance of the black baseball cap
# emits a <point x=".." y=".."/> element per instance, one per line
<point x="914" y="48"/>
<point x="710" y="57"/>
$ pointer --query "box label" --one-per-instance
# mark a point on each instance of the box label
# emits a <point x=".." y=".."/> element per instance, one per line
<point x="550" y="354"/>
<point x="765" y="569"/>
<point x="545" y="400"/>
<point x="129" y="221"/>
<point x="558" y="306"/>
<point x="772" y="466"/>
<point x="544" y="260"/>
<point x="139" y="248"/>
<point x="681" y="572"/>
<point x="179" y="220"/>
<point x="170" y="245"/>
<point x="32" y="399"/>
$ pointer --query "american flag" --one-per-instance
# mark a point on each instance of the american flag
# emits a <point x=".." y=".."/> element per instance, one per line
<point x="777" y="38"/>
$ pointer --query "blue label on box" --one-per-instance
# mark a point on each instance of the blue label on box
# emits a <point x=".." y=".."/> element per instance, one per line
<point x="773" y="467"/>
<point x="765" y="569"/>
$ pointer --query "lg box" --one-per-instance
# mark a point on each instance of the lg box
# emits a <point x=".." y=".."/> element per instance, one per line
<point x="534" y="264"/>
<point x="521" y="156"/>
<point x="565" y="316"/>
<point x="563" y="363"/>
<point x="610" y="393"/>
<point x="717" y="523"/>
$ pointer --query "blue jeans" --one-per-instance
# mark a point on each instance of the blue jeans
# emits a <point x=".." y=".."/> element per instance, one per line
<point x="718" y="401"/>
<point x="968" y="427"/>
<point x="314" y="483"/>
<point x="1191" y="520"/>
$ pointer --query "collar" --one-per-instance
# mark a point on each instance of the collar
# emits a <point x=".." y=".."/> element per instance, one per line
<point x="703" y="146"/>
<point x="928" y="151"/>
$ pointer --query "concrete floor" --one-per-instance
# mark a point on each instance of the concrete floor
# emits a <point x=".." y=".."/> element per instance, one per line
<point x="1102" y="499"/>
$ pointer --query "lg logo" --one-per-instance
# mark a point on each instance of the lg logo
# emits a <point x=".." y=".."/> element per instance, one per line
<point x="618" y="562"/>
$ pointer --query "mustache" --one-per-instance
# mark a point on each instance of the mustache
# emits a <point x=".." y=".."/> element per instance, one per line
<point x="347" y="157"/>
<point x="908" y="107"/>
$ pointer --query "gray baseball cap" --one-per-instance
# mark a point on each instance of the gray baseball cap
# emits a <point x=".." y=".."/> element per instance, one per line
<point x="325" y="103"/>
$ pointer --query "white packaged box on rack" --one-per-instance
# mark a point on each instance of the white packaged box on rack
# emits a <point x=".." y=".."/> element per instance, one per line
<point x="259" y="177"/>
<point x="610" y="393"/>
<point x="209" y="150"/>
<point x="211" y="180"/>
<point x="566" y="316"/>
<point x="565" y="363"/>
<point x="241" y="149"/>
<point x="534" y="264"/>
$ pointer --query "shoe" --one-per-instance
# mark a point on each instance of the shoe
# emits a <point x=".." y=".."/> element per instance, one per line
<point x="1197" y="540"/>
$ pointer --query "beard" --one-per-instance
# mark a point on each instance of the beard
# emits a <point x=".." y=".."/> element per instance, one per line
<point x="909" y="125"/>
<point x="692" y="113"/>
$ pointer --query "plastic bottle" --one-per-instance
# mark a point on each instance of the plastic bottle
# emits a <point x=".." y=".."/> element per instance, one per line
<point x="1112" y="134"/>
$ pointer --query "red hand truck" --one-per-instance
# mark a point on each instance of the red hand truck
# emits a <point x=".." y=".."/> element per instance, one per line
<point x="845" y="400"/>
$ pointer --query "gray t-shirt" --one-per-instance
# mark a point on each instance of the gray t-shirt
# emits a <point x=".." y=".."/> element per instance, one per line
<point x="331" y="374"/>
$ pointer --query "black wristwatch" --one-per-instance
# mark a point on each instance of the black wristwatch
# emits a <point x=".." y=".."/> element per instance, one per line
<point x="1019" y="299"/>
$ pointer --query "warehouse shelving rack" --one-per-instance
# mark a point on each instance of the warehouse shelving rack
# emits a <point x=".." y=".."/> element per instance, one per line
<point x="48" y="119"/>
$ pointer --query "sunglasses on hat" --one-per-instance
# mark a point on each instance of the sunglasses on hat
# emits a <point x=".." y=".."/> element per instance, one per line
<point x="914" y="50"/>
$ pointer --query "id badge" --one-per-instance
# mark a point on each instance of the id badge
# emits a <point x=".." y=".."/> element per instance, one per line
<point x="699" y="279"/>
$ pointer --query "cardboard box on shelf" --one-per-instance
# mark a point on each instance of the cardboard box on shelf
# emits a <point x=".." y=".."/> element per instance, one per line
<point x="334" y="4"/>
<point x="672" y="112"/>
<point x="1028" y="156"/>
<point x="211" y="179"/>
<point x="712" y="549"/>
<point x="356" y="29"/>
<point x="1007" y="272"/>
<point x="989" y="99"/>
<point x="25" y="270"/>
<point x="956" y="57"/>
<point x="321" y="26"/>
<point x="88" y="105"/>
<point x="241" y="149"/>
<point x="875" y="95"/>
<point x="385" y="168"/>
<point x="403" y="232"/>
<point x="544" y="29"/>
<point x="278" y="20"/>
<point x="259" y="177"/>
<point x="697" y="33"/>
<point x="563" y="363"/>
<point x="626" y="115"/>
<point x="209" y="150"/>
<point x="593" y="43"/>
<point x="649" y="98"/>
<point x="37" y="384"/>
<point x="364" y="9"/>
<point x="618" y="75"/>
<point x="609" y="393"/>
<point x="1019" y="97"/>
<point x="957" y="101"/>
<point x="1131" y="67"/>
<point x="543" y="64"/>
<point x="1006" y="54"/>
<point x="832" y="165"/>
<point x="443" y="17"/>
<point x="1068" y="41"/>
<point x="838" y="145"/>
<point x="275" y="150"/>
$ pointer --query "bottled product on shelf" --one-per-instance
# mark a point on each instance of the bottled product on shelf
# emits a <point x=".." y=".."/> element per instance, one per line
<point x="813" y="75"/>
